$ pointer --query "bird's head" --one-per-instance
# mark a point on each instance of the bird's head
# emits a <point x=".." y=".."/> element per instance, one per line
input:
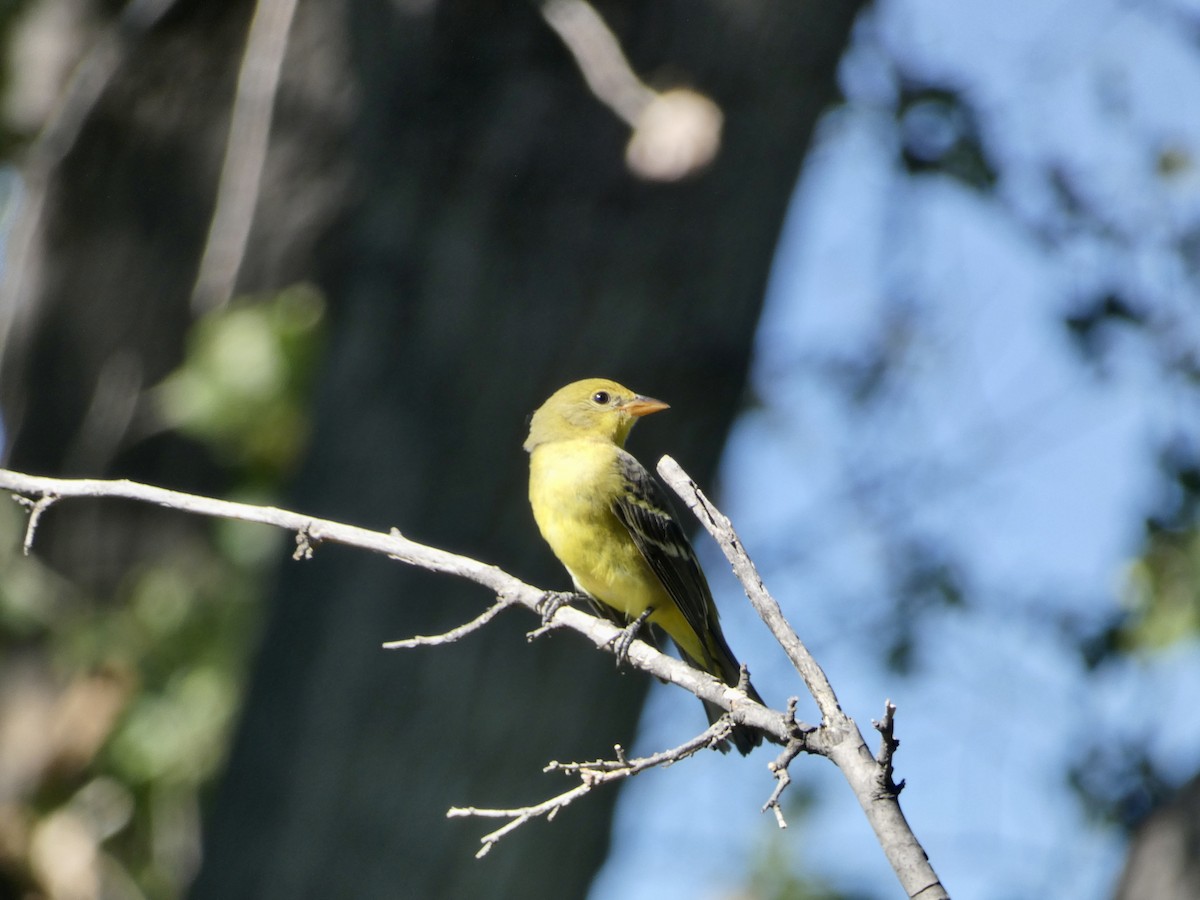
<point x="595" y="409"/>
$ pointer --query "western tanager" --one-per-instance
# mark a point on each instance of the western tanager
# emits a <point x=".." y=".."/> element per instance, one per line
<point x="608" y="521"/>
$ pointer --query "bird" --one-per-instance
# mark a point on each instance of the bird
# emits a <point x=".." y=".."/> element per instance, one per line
<point x="612" y="527"/>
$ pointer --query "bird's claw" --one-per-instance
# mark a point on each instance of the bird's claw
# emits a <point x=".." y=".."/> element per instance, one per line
<point x="623" y="639"/>
<point x="551" y="602"/>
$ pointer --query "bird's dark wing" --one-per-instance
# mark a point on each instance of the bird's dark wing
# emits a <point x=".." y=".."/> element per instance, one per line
<point x="646" y="512"/>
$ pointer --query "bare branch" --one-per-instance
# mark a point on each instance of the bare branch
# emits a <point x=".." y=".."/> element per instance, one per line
<point x="36" y="508"/>
<point x="779" y="768"/>
<point x="548" y="808"/>
<point x="245" y="154"/>
<point x="675" y="133"/>
<point x="512" y="591"/>
<point x="838" y="737"/>
<point x="601" y="770"/>
<point x="449" y="637"/>
<point x="767" y="606"/>
<point x="591" y="774"/>
<point x="599" y="57"/>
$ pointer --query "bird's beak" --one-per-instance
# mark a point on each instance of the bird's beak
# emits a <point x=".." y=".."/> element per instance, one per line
<point x="642" y="406"/>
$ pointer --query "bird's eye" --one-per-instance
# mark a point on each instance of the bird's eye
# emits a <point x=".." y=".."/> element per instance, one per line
<point x="601" y="398"/>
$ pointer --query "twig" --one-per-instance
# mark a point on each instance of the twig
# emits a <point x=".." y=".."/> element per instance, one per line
<point x="676" y="132"/>
<point x="449" y="637"/>
<point x="36" y="508"/>
<point x="548" y="808"/>
<point x="779" y="768"/>
<point x="591" y="774"/>
<point x="888" y="744"/>
<point x="245" y="154"/>
<point x="599" y="57"/>
<point x="601" y="769"/>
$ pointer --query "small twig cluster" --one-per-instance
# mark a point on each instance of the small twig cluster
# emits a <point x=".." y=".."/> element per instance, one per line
<point x="591" y="774"/>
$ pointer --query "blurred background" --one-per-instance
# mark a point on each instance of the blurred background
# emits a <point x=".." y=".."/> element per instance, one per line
<point x="920" y="280"/>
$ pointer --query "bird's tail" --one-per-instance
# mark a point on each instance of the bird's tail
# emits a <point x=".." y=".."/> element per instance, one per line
<point x="744" y="737"/>
<point x="724" y="665"/>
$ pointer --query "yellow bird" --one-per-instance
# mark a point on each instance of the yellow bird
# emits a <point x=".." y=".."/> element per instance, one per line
<point x="608" y="521"/>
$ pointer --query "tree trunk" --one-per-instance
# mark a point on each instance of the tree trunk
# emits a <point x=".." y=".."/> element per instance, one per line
<point x="1163" y="862"/>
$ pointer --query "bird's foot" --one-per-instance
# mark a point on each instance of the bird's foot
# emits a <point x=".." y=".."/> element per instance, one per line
<point x="552" y="602"/>
<point x="623" y="640"/>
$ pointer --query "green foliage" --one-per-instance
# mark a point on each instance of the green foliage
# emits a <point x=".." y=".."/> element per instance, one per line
<point x="141" y="689"/>
<point x="31" y="595"/>
<point x="10" y="10"/>
<point x="241" y="390"/>
<point x="1163" y="592"/>
<point x="155" y="674"/>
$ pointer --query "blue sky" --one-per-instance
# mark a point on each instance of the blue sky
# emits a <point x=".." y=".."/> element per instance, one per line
<point x="994" y="442"/>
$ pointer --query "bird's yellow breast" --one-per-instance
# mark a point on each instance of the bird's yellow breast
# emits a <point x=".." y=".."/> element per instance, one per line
<point x="572" y="487"/>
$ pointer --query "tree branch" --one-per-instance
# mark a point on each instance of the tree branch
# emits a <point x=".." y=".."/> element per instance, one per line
<point x="675" y="133"/>
<point x="448" y="637"/>
<point x="45" y="492"/>
<point x="767" y="607"/>
<point x="837" y="738"/>
<point x="245" y="154"/>
<point x="591" y="774"/>
<point x="843" y="743"/>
